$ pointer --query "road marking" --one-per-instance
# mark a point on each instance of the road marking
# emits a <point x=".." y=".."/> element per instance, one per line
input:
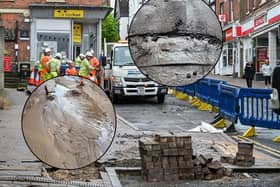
<point x="127" y="123"/>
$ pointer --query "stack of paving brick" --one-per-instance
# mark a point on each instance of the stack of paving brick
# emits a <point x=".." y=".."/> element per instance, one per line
<point x="244" y="156"/>
<point x="166" y="158"/>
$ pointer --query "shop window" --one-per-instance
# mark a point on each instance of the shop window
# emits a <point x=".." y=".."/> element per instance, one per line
<point x="58" y="42"/>
<point x="230" y="54"/>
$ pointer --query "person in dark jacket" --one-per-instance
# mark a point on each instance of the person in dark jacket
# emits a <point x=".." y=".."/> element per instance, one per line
<point x="249" y="73"/>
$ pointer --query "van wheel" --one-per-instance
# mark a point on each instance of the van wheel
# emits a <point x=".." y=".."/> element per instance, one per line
<point x="160" y="99"/>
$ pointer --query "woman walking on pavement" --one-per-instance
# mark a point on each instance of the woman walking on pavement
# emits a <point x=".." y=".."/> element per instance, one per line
<point x="249" y="73"/>
<point x="266" y="70"/>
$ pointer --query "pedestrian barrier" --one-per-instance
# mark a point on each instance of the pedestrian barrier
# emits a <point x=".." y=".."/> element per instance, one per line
<point x="256" y="112"/>
<point x="214" y="92"/>
<point x="190" y="89"/>
<point x="228" y="102"/>
<point x="179" y="93"/>
<point x="250" y="105"/>
<point x="202" y="90"/>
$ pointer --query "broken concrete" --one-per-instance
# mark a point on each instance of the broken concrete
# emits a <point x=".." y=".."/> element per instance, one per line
<point x="179" y="44"/>
<point x="74" y="128"/>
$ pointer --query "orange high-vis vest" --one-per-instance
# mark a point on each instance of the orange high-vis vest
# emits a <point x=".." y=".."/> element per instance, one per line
<point x="95" y="63"/>
<point x="71" y="71"/>
<point x="44" y="61"/>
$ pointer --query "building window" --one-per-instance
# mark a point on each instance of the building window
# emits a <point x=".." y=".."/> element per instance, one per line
<point x="262" y="2"/>
<point x="254" y="4"/>
<point x="222" y="8"/>
<point x="231" y="10"/>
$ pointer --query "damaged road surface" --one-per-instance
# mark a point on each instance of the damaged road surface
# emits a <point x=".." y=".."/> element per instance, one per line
<point x="180" y="43"/>
<point x="67" y="124"/>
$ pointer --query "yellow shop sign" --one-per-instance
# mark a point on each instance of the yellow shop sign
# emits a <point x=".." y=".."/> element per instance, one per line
<point x="77" y="33"/>
<point x="66" y="13"/>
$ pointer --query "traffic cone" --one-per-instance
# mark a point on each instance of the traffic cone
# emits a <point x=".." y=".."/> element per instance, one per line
<point x="31" y="80"/>
<point x="37" y="79"/>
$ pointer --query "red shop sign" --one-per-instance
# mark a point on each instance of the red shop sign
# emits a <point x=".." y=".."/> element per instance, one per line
<point x="259" y="21"/>
<point x="229" y="35"/>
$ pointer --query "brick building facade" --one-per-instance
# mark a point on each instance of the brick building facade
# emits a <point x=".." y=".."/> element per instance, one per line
<point x="251" y="32"/>
<point x="68" y="26"/>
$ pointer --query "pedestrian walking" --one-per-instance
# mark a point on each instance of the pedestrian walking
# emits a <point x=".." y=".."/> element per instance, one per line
<point x="249" y="73"/>
<point x="266" y="70"/>
<point x="71" y="70"/>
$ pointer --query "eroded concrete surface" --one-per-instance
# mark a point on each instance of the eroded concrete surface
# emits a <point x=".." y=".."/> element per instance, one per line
<point x="180" y="42"/>
<point x="72" y="128"/>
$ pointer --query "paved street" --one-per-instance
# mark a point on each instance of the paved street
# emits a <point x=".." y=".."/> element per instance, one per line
<point x="173" y="115"/>
<point x="15" y="157"/>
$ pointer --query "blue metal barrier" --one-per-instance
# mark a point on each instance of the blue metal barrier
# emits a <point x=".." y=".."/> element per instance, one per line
<point x="202" y="90"/>
<point x="255" y="109"/>
<point x="228" y="102"/>
<point x="214" y="92"/>
<point x="180" y="88"/>
<point x="190" y="89"/>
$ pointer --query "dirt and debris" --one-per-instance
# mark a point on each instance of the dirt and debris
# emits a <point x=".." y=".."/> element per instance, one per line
<point x="179" y="44"/>
<point x="70" y="126"/>
<point x="4" y="102"/>
<point x="85" y="174"/>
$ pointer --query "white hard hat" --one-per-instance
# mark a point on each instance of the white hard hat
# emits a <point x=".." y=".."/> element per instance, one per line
<point x="81" y="55"/>
<point x="92" y="51"/>
<point x="58" y="55"/>
<point x="89" y="53"/>
<point x="70" y="62"/>
<point x="47" y="50"/>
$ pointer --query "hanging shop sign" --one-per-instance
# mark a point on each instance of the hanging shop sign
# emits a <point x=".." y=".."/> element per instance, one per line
<point x="222" y="18"/>
<point x="77" y="33"/>
<point x="68" y="13"/>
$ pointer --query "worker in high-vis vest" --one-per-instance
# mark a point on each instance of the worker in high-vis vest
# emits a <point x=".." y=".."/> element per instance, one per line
<point x="79" y="60"/>
<point x="71" y="70"/>
<point x="43" y="62"/>
<point x="95" y="63"/>
<point x="53" y="66"/>
<point x="86" y="67"/>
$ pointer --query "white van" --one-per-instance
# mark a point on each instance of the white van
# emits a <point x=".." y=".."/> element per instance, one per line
<point x="123" y="78"/>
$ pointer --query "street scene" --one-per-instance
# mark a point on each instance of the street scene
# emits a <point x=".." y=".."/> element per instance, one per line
<point x="77" y="109"/>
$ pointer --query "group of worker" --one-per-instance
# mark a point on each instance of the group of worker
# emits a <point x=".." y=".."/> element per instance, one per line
<point x="85" y="66"/>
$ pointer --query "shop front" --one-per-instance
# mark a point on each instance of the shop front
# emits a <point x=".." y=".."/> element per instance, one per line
<point x="265" y="38"/>
<point x="228" y="63"/>
<point x="69" y="29"/>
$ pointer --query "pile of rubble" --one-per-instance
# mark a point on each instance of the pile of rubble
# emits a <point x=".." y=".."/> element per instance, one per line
<point x="170" y="157"/>
<point x="244" y="155"/>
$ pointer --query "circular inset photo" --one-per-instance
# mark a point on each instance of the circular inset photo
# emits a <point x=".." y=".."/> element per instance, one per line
<point x="175" y="43"/>
<point x="68" y="122"/>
